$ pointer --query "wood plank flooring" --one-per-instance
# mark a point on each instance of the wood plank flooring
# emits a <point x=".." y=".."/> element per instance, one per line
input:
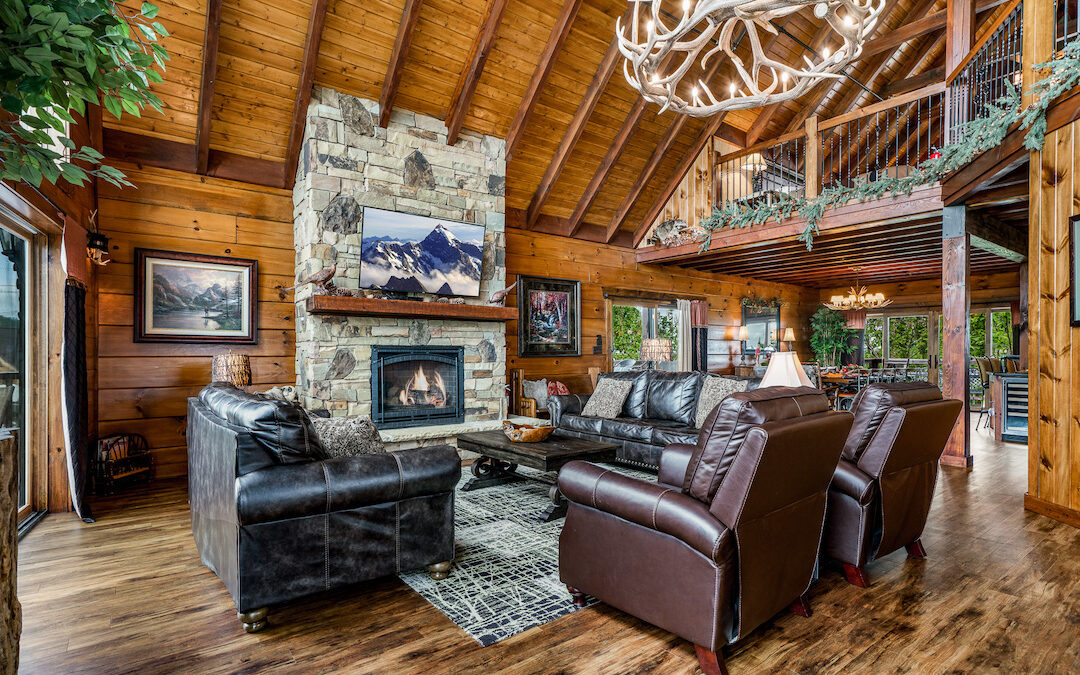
<point x="1000" y="590"/>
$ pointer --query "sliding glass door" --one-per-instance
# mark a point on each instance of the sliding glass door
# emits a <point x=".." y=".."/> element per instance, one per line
<point x="15" y="258"/>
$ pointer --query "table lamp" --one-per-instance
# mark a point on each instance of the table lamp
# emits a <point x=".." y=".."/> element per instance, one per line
<point x="743" y="336"/>
<point x="785" y="370"/>
<point x="789" y="337"/>
<point x="232" y="368"/>
<point x="655" y="349"/>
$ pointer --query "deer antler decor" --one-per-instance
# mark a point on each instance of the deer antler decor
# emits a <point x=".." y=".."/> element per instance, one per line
<point x="705" y="32"/>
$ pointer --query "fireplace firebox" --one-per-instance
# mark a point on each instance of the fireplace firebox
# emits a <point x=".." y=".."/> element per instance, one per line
<point x="415" y="386"/>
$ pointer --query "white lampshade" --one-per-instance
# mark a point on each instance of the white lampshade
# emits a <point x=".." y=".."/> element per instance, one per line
<point x="789" y="334"/>
<point x="744" y="333"/>
<point x="785" y="370"/>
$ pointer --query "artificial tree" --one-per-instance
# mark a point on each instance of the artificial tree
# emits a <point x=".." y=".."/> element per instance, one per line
<point x="56" y="58"/>
<point x="829" y="339"/>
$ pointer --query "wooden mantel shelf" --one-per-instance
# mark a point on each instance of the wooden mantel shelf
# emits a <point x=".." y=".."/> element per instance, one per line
<point x="352" y="306"/>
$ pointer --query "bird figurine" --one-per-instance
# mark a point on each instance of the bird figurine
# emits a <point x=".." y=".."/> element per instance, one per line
<point x="498" y="297"/>
<point x="318" y="278"/>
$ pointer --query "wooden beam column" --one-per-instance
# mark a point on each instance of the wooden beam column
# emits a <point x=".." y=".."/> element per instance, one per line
<point x="316" y="21"/>
<point x="959" y="37"/>
<point x="955" y="325"/>
<point x="410" y="14"/>
<point x="470" y="77"/>
<point x="206" y="88"/>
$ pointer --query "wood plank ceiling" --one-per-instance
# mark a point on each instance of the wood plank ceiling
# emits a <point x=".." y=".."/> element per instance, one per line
<point x="516" y="69"/>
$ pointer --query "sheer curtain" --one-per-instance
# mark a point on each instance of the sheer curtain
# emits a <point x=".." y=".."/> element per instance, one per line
<point x="685" y="360"/>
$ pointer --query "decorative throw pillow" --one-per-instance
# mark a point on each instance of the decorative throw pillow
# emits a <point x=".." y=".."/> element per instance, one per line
<point x="348" y="436"/>
<point x="286" y="393"/>
<point x="556" y="388"/>
<point x="607" y="400"/>
<point x="713" y="390"/>
<point x="536" y="390"/>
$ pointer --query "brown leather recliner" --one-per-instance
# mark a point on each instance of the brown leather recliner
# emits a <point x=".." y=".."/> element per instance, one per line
<point x="882" y="489"/>
<point x="730" y="533"/>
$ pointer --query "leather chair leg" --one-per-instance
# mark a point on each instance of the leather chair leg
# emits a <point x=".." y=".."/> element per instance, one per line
<point x="577" y="596"/>
<point x="801" y="606"/>
<point x="856" y="576"/>
<point x="711" y="663"/>
<point x="439" y="571"/>
<point x="915" y="549"/>
<point x="255" y="620"/>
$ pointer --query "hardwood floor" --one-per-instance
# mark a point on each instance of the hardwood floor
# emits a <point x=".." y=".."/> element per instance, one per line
<point x="1000" y="590"/>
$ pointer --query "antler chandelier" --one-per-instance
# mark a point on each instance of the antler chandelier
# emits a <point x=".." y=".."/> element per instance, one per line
<point x="857" y="298"/>
<point x="659" y="60"/>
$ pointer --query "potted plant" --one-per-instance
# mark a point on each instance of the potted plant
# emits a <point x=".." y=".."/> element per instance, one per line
<point x="829" y="338"/>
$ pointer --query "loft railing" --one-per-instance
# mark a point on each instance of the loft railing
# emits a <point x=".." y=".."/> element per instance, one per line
<point x="990" y="67"/>
<point x="1066" y="22"/>
<point x="886" y="139"/>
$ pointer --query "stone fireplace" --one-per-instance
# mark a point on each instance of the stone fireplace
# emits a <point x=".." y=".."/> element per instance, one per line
<point x="414" y="386"/>
<point x="349" y="162"/>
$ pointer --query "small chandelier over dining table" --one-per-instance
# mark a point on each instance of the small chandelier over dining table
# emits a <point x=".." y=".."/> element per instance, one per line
<point x="857" y="298"/>
<point x="660" y="56"/>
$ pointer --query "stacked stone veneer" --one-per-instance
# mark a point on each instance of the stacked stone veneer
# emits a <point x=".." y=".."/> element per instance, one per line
<point x="349" y="162"/>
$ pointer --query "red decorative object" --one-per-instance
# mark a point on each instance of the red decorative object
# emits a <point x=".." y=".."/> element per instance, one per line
<point x="557" y="388"/>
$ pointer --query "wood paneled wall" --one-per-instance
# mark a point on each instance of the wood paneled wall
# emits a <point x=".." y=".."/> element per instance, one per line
<point x="1054" y="384"/>
<point x="598" y="266"/>
<point x="143" y="387"/>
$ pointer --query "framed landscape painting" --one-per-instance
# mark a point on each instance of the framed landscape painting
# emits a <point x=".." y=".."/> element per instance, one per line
<point x="1074" y="272"/>
<point x="549" y="317"/>
<point x="188" y="297"/>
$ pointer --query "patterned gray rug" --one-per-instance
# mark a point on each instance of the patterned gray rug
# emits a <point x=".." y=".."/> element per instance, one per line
<point x="505" y="578"/>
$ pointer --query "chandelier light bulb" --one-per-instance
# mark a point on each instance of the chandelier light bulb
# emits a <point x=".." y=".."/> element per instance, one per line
<point x="686" y="6"/>
<point x="731" y="88"/>
<point x="825" y="53"/>
<point x="649" y="26"/>
<point x="820" y="10"/>
<point x="849" y="21"/>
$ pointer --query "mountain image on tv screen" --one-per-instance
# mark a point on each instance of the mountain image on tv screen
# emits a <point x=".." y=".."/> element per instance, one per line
<point x="406" y="253"/>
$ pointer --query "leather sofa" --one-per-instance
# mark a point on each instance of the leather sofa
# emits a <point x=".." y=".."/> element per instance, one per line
<point x="727" y="537"/>
<point x="659" y="410"/>
<point x="884" y="483"/>
<point x="277" y="519"/>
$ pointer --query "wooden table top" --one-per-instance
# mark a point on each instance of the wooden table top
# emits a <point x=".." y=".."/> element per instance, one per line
<point x="547" y="455"/>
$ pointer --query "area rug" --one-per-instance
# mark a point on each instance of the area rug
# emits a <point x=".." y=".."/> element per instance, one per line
<point x="505" y="578"/>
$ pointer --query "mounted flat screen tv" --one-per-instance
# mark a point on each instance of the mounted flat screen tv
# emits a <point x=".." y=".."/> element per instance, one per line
<point x="405" y="253"/>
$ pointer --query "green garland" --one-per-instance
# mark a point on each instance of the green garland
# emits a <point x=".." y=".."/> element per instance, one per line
<point x="979" y="136"/>
<point x="757" y="304"/>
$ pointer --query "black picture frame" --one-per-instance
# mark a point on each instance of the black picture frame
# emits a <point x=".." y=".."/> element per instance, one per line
<point x="246" y="296"/>
<point x="749" y="315"/>
<point x="1074" y="297"/>
<point x="547" y="338"/>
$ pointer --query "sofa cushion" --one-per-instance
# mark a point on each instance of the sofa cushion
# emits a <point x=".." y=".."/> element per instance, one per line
<point x="666" y="435"/>
<point x="634" y="405"/>
<point x="588" y="425"/>
<point x="626" y="429"/>
<point x="607" y="399"/>
<point x="672" y="396"/>
<point x="874" y="402"/>
<point x="714" y="389"/>
<point x="283" y="429"/>
<point x="726" y="428"/>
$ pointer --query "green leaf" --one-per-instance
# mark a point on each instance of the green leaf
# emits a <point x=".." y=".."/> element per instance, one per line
<point x="149" y="10"/>
<point x="112" y="104"/>
<point x="12" y="104"/>
<point x="160" y="29"/>
<point x="73" y="174"/>
<point x="40" y="55"/>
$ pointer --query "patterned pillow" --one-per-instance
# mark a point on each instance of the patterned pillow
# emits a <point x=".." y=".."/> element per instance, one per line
<point x="348" y="436"/>
<point x="285" y="393"/>
<point x="607" y="400"/>
<point x="713" y="390"/>
<point x="536" y="390"/>
<point x="556" y="388"/>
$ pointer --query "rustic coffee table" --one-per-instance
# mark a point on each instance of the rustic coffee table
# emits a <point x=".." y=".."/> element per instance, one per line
<point x="500" y="457"/>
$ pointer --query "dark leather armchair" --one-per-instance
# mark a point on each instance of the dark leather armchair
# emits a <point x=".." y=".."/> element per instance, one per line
<point x="277" y="519"/>
<point x="727" y="537"/>
<point x="882" y="489"/>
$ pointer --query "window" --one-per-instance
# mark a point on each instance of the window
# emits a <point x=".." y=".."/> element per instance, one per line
<point x="1001" y="333"/>
<point x="875" y="337"/>
<point x="630" y="323"/>
<point x="977" y="342"/>
<point x="667" y="326"/>
<point x="14" y="359"/>
<point x="626" y="324"/>
<point x="763" y="327"/>
<point x="908" y="338"/>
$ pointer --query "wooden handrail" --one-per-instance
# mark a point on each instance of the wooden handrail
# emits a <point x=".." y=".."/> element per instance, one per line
<point x="981" y="42"/>
<point x="895" y="101"/>
<point x="761" y="145"/>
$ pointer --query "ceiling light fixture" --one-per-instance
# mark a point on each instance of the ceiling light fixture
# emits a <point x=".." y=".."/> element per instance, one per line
<point x="706" y="32"/>
<point x="857" y="298"/>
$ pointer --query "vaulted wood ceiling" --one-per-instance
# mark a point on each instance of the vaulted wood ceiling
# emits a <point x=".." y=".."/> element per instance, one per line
<point x="524" y="70"/>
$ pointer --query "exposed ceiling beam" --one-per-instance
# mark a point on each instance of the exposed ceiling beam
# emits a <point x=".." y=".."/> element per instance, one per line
<point x="688" y="159"/>
<point x="990" y="235"/>
<point x="914" y="29"/>
<point x="206" y="88"/>
<point x="409" y="16"/>
<point x="316" y="20"/>
<point x="912" y="83"/>
<point x="577" y="125"/>
<point x="470" y="77"/>
<point x="559" y="32"/>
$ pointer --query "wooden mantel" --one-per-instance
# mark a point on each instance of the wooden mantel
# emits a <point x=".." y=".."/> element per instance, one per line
<point x="353" y="306"/>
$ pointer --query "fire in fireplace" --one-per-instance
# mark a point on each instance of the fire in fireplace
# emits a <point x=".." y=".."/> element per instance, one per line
<point x="414" y="386"/>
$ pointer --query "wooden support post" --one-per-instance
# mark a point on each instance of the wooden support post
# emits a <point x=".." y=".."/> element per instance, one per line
<point x="10" y="610"/>
<point x="812" y="173"/>
<point x="959" y="37"/>
<point x="1021" y="320"/>
<point x="955" y="324"/>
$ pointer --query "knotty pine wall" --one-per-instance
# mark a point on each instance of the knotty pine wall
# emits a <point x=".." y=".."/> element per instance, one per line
<point x="598" y="266"/>
<point x="1054" y="383"/>
<point x="1003" y="287"/>
<point x="143" y="387"/>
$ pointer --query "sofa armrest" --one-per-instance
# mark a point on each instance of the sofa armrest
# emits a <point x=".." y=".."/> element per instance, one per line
<point x="853" y="482"/>
<point x="342" y="483"/>
<point x="565" y="404"/>
<point x="673" y="463"/>
<point x="650" y="505"/>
